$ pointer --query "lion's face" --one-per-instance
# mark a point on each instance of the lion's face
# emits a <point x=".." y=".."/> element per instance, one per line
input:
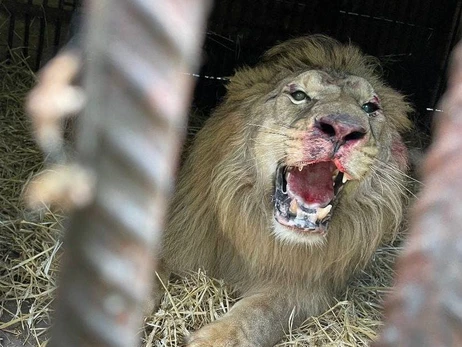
<point x="320" y="133"/>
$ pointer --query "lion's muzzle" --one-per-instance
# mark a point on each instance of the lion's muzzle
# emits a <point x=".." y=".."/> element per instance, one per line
<point x="307" y="184"/>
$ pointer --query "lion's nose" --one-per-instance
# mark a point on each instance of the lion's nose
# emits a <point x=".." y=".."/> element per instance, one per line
<point x="341" y="127"/>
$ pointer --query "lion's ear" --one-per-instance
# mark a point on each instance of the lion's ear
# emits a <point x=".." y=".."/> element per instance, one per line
<point x="251" y="81"/>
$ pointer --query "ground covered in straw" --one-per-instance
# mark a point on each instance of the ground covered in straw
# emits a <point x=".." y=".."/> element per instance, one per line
<point x="30" y="250"/>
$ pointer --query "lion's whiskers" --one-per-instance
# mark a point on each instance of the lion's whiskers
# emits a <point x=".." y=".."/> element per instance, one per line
<point x="390" y="173"/>
<point x="399" y="171"/>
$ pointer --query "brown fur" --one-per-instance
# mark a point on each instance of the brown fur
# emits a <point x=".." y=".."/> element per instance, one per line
<point x="222" y="214"/>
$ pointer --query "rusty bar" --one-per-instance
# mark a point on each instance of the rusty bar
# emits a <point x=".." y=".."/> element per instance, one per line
<point x="129" y="136"/>
<point x="425" y="308"/>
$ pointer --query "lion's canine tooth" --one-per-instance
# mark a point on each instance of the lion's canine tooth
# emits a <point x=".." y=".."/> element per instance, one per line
<point x="323" y="212"/>
<point x="346" y="177"/>
<point x="300" y="167"/>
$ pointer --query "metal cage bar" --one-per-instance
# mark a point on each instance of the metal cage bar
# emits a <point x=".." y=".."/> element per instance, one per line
<point x="425" y="308"/>
<point x="130" y="136"/>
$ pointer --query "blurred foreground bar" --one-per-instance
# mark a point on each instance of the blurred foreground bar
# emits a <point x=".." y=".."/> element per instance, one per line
<point x="425" y="308"/>
<point x="129" y="135"/>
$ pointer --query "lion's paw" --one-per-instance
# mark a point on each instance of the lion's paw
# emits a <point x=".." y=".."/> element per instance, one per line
<point x="219" y="334"/>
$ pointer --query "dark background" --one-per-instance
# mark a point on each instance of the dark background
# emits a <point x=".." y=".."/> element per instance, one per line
<point x="412" y="38"/>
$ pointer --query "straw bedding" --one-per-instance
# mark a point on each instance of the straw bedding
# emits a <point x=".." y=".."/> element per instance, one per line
<point x="30" y="243"/>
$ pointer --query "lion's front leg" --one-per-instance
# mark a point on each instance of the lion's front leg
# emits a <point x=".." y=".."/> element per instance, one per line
<point x="256" y="320"/>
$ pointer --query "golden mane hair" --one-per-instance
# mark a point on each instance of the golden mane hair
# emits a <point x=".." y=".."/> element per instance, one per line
<point x="222" y="212"/>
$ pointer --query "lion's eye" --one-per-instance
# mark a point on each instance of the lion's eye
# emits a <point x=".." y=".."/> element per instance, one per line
<point x="299" y="96"/>
<point x="370" y="107"/>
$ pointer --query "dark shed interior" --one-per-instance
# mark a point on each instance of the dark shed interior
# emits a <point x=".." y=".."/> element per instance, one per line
<point x="412" y="38"/>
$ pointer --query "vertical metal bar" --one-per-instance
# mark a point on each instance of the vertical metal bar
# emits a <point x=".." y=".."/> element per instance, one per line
<point x="130" y="136"/>
<point x="57" y="36"/>
<point x="26" y="39"/>
<point x="58" y="24"/>
<point x="11" y="35"/>
<point x="42" y="34"/>
<point x="41" y="43"/>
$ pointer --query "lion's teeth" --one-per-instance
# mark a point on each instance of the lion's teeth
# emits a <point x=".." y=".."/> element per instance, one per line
<point x="293" y="206"/>
<point x="346" y="177"/>
<point x="300" y="167"/>
<point x="300" y="214"/>
<point x="323" y="212"/>
<point x="335" y="174"/>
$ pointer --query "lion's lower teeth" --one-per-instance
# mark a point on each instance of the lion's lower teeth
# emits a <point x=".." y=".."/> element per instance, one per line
<point x="335" y="174"/>
<point x="301" y="215"/>
<point x="293" y="206"/>
<point x="319" y="215"/>
<point x="323" y="212"/>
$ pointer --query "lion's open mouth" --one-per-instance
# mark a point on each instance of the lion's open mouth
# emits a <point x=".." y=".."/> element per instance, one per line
<point x="305" y="195"/>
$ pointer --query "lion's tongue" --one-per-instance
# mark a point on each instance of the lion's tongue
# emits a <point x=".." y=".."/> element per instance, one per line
<point x="313" y="184"/>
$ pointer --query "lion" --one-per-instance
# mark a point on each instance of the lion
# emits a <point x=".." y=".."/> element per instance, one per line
<point x="290" y="186"/>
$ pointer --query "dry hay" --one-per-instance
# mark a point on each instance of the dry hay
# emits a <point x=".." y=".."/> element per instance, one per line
<point x="29" y="255"/>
